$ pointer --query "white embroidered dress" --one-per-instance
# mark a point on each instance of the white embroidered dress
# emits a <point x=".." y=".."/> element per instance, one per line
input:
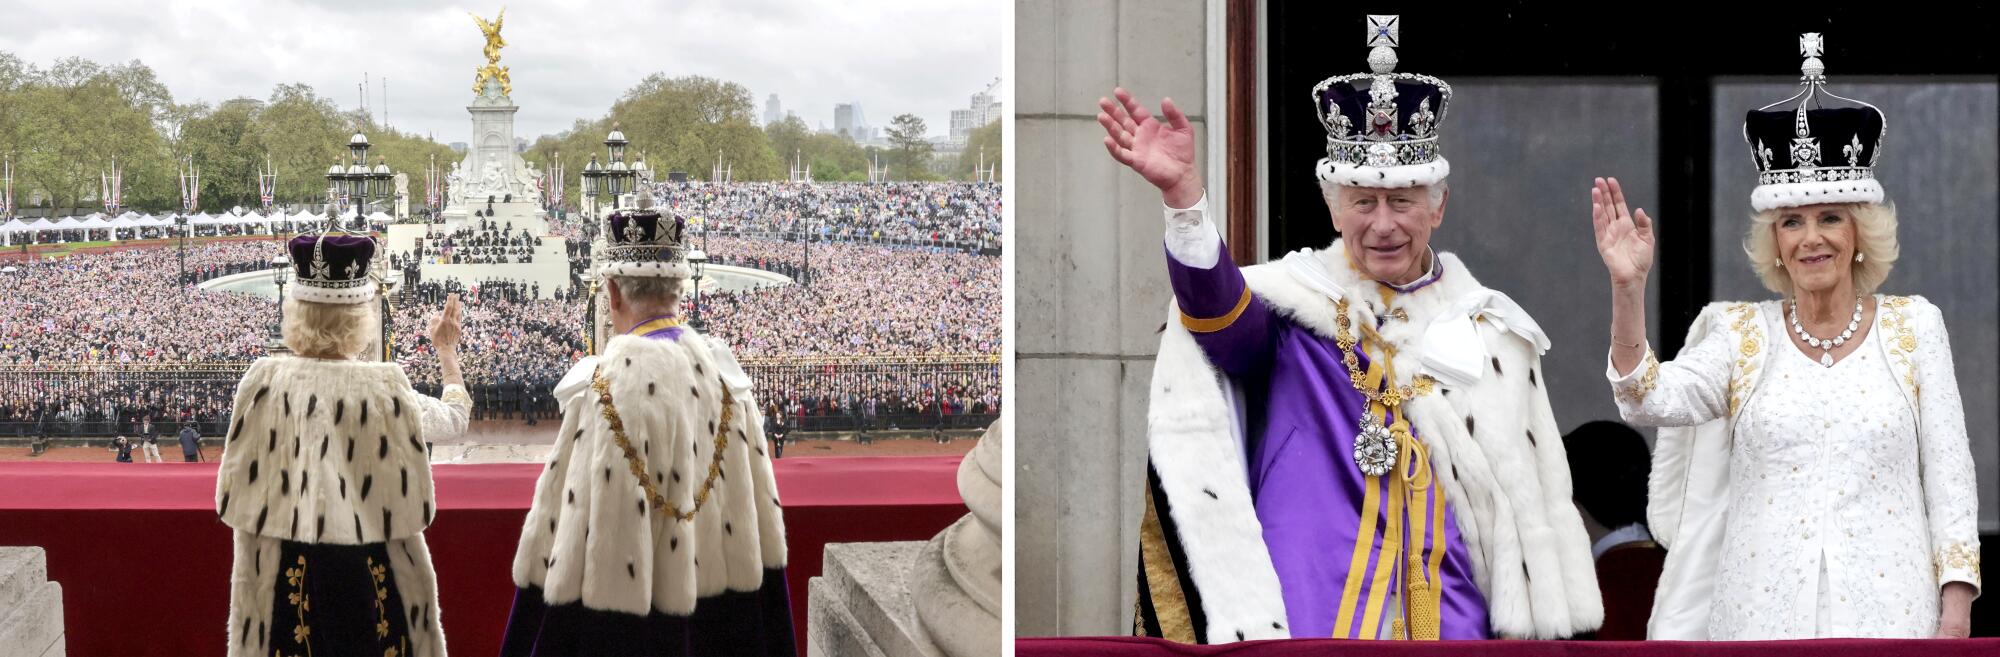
<point x="1849" y="490"/>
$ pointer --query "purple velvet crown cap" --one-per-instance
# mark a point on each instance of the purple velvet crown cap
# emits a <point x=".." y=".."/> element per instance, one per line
<point x="619" y="229"/>
<point x="341" y="257"/>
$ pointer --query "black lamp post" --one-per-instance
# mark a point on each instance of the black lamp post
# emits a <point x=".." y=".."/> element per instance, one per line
<point x="699" y="259"/>
<point x="357" y="173"/>
<point x="590" y="312"/>
<point x="280" y="267"/>
<point x="181" y="228"/>
<point x="617" y="175"/>
<point x="382" y="181"/>
<point x="592" y="187"/>
<point x="336" y="182"/>
<point x="358" y="181"/>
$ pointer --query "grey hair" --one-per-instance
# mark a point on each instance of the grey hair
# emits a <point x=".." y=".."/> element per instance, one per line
<point x="659" y="291"/>
<point x="343" y="329"/>
<point x="1874" y="238"/>
<point x="1330" y="191"/>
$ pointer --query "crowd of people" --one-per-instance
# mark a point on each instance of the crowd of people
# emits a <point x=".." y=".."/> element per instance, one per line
<point x="111" y="404"/>
<point x="941" y="213"/>
<point x="941" y="302"/>
<point x="126" y="306"/>
<point x="488" y="244"/>
<point x="855" y="294"/>
<point x="883" y="399"/>
<point x="217" y="259"/>
<point x="514" y="349"/>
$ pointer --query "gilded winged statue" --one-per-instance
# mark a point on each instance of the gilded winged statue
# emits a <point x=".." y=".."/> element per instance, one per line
<point x="493" y="70"/>
<point x="492" y="31"/>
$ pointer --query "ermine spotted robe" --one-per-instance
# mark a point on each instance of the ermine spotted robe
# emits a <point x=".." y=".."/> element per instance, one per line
<point x="600" y="569"/>
<point x="326" y="481"/>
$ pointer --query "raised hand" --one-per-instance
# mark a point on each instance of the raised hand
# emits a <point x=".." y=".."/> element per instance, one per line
<point x="1161" y="151"/>
<point x="445" y="331"/>
<point x="1624" y="238"/>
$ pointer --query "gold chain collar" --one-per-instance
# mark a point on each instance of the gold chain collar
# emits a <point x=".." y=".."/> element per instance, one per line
<point x="1392" y="396"/>
<point x="659" y="502"/>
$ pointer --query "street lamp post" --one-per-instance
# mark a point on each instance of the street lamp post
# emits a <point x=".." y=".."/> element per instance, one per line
<point x="617" y="175"/>
<point x="590" y="313"/>
<point x="180" y="230"/>
<point x="381" y="183"/>
<point x="280" y="267"/>
<point x="592" y="187"/>
<point x="357" y="182"/>
<point x="699" y="259"/>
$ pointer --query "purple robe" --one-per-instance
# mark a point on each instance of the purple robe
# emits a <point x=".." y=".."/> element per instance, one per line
<point x="1303" y="414"/>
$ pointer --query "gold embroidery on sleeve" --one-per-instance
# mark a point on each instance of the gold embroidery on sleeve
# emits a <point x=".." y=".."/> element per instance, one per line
<point x="1746" y="350"/>
<point x="1635" y="392"/>
<point x="1959" y="556"/>
<point x="1901" y="339"/>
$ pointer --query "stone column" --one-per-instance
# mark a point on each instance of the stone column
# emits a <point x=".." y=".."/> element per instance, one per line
<point x="1091" y="293"/>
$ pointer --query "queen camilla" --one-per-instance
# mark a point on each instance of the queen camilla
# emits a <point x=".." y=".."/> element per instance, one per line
<point x="1812" y="476"/>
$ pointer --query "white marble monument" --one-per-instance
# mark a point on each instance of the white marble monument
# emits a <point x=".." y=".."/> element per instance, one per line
<point x="493" y="179"/>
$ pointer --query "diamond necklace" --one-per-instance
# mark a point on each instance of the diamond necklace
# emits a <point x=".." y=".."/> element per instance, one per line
<point x="1826" y="346"/>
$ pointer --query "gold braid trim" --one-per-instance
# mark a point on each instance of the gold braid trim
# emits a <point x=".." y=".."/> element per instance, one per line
<point x="1163" y="582"/>
<point x="1213" y="324"/>
<point x="659" y="502"/>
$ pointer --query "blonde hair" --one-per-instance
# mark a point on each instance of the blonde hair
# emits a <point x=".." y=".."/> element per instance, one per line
<point x="1874" y="240"/>
<point x="345" y="329"/>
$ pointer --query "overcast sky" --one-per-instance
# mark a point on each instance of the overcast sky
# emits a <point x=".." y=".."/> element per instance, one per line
<point x="568" y="60"/>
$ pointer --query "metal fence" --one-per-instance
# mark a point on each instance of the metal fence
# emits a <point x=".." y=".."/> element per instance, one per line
<point x="106" y="399"/>
<point x="877" y="393"/>
<point x="796" y="394"/>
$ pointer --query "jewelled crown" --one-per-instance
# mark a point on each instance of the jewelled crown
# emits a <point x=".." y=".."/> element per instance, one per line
<point x="644" y="242"/>
<point x="1806" y="155"/>
<point x="1381" y="127"/>
<point x="332" y="268"/>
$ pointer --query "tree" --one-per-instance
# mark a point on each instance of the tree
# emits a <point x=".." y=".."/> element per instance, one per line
<point x="681" y="123"/>
<point x="215" y="140"/>
<point x="303" y="133"/>
<point x="987" y="137"/>
<point x="910" y="148"/>
<point x="833" y="157"/>
<point x="70" y="121"/>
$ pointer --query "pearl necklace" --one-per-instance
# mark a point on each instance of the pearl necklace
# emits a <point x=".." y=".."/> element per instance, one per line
<point x="1826" y="346"/>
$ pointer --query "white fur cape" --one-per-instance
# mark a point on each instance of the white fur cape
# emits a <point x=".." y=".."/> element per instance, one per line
<point x="1494" y="440"/>
<point x="330" y="452"/>
<point x="591" y="536"/>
